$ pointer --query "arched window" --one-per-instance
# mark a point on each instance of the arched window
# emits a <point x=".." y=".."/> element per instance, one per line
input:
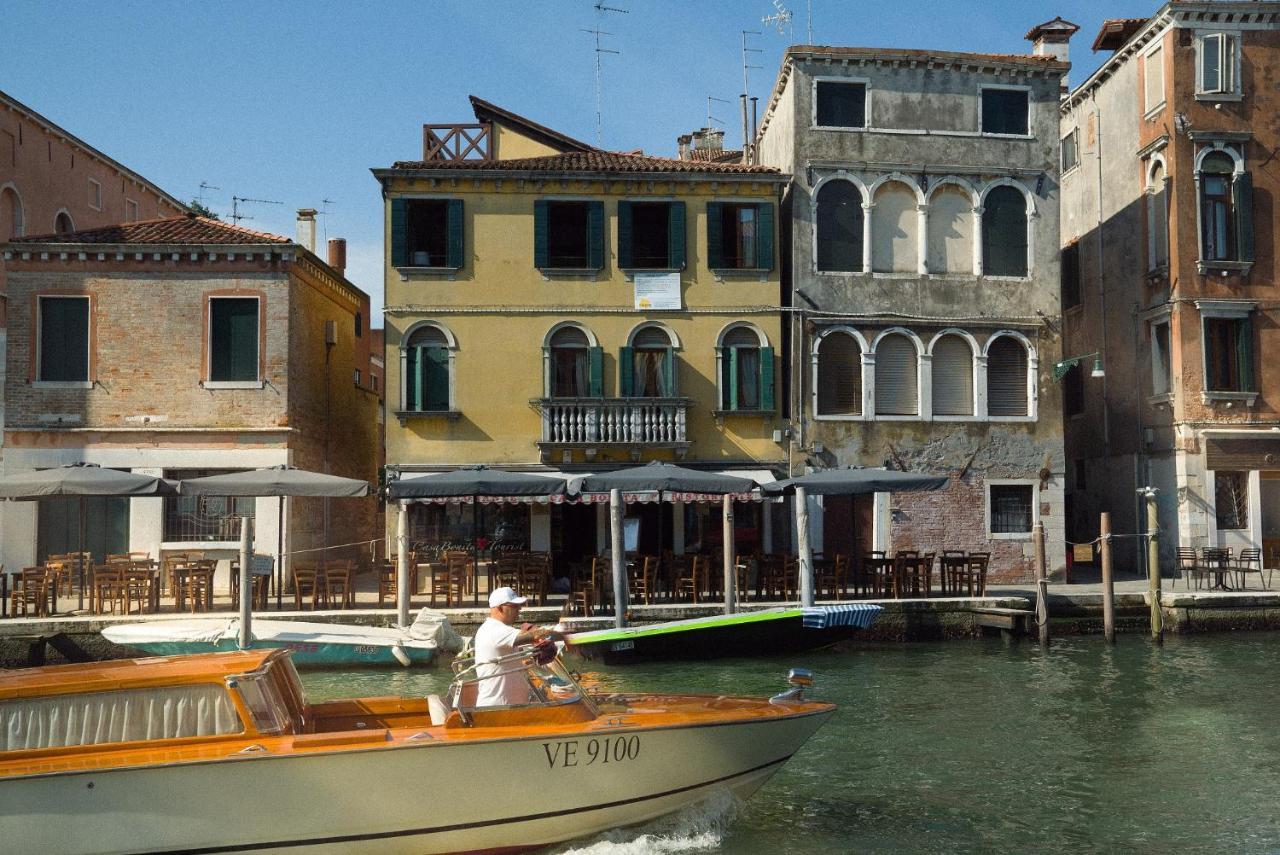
<point x="647" y="365"/>
<point x="11" y="211"/>
<point x="952" y="376"/>
<point x="62" y="223"/>
<point x="1157" y="218"/>
<point x="1226" y="209"/>
<point x="428" y="370"/>
<point x="840" y="227"/>
<point x="950" y="230"/>
<point x="746" y="370"/>
<point x="897" y="382"/>
<point x="1007" y="377"/>
<point x="839" y="375"/>
<point x="1004" y="232"/>
<point x="574" y="366"/>
<point x="895" y="243"/>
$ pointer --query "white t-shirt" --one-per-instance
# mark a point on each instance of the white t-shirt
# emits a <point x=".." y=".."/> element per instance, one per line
<point x="494" y="639"/>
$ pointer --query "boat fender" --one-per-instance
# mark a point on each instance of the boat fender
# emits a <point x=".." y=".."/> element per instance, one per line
<point x="403" y="658"/>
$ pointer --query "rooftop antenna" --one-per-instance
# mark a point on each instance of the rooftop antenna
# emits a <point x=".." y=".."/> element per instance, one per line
<point x="711" y="120"/>
<point x="601" y="9"/>
<point x="746" y="90"/>
<point x="810" y="23"/>
<point x="236" y="216"/>
<point x="324" y="212"/>
<point x="204" y="185"/>
<point x="782" y="20"/>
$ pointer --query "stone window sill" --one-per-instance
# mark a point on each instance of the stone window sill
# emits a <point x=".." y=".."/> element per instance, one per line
<point x="233" y="384"/>
<point x="1207" y="267"/>
<point x="405" y="415"/>
<point x="62" y="384"/>
<point x="1248" y="399"/>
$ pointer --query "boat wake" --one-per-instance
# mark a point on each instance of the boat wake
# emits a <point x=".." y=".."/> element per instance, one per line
<point x="697" y="828"/>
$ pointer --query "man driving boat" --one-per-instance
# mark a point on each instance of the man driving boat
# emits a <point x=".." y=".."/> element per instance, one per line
<point x="498" y="636"/>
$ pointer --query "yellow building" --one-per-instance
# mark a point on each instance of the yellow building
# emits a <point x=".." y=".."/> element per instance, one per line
<point x="554" y="307"/>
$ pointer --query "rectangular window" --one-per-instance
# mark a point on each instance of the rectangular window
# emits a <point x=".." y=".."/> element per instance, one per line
<point x="192" y="519"/>
<point x="64" y="340"/>
<point x="359" y="325"/>
<point x="1218" y="54"/>
<point x="1005" y="111"/>
<point x="357" y="377"/>
<point x="840" y="105"/>
<point x="95" y="195"/>
<point x="1011" y="508"/>
<point x="567" y="234"/>
<point x="427" y="233"/>
<point x="1153" y="78"/>
<point x="427" y="380"/>
<point x="1231" y="499"/>
<point x="1070" y="275"/>
<point x="1160" y="358"/>
<point x="746" y="381"/>
<point x="130" y="211"/>
<point x="1228" y="355"/>
<point x="1071" y="150"/>
<point x="373" y="380"/>
<point x="233" y="339"/>
<point x="651" y="235"/>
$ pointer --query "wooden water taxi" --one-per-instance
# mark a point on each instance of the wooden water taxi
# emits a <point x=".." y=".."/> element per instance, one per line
<point x="223" y="753"/>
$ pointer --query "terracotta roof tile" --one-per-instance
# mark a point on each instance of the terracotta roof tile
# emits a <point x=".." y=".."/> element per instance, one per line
<point x="944" y="56"/>
<point x="1115" y="32"/>
<point x="186" y="230"/>
<point x="716" y="156"/>
<point x="487" y="112"/>
<point x="591" y="161"/>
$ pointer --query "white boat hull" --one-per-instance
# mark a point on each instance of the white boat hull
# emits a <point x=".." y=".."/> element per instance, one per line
<point x="429" y="797"/>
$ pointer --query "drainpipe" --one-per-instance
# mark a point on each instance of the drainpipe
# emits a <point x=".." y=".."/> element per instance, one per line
<point x="1102" y="290"/>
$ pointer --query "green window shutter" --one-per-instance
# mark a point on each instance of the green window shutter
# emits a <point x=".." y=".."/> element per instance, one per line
<point x="624" y="235"/>
<point x="766" y="378"/>
<point x="64" y="339"/>
<point x="436" y="377"/>
<point x="764" y="235"/>
<point x="669" y="373"/>
<point x="1244" y="353"/>
<point x="734" y="367"/>
<point x="399" y="232"/>
<point x="675" y="235"/>
<point x="1242" y="193"/>
<point x="595" y="235"/>
<point x="412" y="379"/>
<point x="726" y="377"/>
<point x="540" y="254"/>
<point x="715" y="235"/>
<point x="453" y="234"/>
<point x="233" y="334"/>
<point x="595" y="371"/>
<point x="626" y="373"/>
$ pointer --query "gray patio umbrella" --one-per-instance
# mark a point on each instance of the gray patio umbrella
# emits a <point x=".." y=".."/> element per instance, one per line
<point x="844" y="481"/>
<point x="472" y="482"/>
<point x="664" y="477"/>
<point x="278" y="481"/>
<point x="80" y="480"/>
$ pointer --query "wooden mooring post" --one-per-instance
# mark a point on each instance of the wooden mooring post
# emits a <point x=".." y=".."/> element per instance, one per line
<point x="1042" y="587"/>
<point x="1153" y="565"/>
<point x="1108" y="586"/>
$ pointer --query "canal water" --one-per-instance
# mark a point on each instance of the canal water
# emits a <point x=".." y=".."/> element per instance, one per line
<point x="983" y="746"/>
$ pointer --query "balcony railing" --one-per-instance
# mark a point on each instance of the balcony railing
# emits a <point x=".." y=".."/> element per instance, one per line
<point x="457" y="142"/>
<point x="614" y="421"/>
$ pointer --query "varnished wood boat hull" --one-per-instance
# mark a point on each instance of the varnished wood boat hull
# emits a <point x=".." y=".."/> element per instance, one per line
<point x="501" y="794"/>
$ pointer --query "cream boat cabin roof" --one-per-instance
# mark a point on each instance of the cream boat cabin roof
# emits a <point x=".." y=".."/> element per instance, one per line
<point x="128" y="674"/>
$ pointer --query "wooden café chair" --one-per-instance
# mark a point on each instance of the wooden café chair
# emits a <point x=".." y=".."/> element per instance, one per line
<point x="306" y="583"/>
<point x="584" y="595"/>
<point x="339" y="583"/>
<point x="30" y="594"/>
<point x="535" y="577"/>
<point x="640" y="585"/>
<point x="690" y="576"/>
<point x="387" y="580"/>
<point x="107" y="588"/>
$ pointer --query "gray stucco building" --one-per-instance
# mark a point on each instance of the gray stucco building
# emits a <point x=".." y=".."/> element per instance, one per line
<point x="923" y="288"/>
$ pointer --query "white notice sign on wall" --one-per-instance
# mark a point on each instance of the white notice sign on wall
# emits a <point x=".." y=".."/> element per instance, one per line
<point x="658" y="291"/>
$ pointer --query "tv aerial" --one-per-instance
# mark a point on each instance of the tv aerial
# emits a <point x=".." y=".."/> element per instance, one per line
<point x="600" y="50"/>
<point x="236" y="216"/>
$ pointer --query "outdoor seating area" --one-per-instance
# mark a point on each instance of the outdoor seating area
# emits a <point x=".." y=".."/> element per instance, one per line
<point x="1222" y="568"/>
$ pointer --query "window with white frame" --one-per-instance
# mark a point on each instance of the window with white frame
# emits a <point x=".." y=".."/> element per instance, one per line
<point x="575" y="368"/>
<point x="1071" y="150"/>
<point x="1217" y="61"/>
<point x="95" y="195"/>
<point x="1160" y="359"/>
<point x="1228" y="354"/>
<point x="840" y="104"/>
<point x="1006" y="111"/>
<point x="952" y="376"/>
<point x="130" y="211"/>
<point x="63" y="346"/>
<point x="839" y="375"/>
<point x="897" y="376"/>
<point x="428" y="370"/>
<point x="1231" y="500"/>
<point x="1157" y="217"/>
<point x="1226" y="209"/>
<point x="1007" y="373"/>
<point x="647" y="365"/>
<point x="840" y="227"/>
<point x="1004" y="232"/>
<point x="233" y="339"/>
<point x="1153" y="78"/>
<point x="1010" y="508"/>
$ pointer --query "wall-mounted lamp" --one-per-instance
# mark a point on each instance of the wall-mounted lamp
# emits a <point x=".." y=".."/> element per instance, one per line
<point x="1181" y="123"/>
<point x="1060" y="369"/>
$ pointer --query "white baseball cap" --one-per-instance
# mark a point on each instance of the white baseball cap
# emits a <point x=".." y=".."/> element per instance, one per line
<point x="505" y="596"/>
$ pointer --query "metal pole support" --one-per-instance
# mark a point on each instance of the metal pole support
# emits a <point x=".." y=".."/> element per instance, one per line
<point x="618" y="544"/>
<point x="730" y="558"/>
<point x="1153" y="565"/>
<point x="246" y="585"/>
<point x="1108" y="586"/>
<point x="1042" y="586"/>
<point x="804" y="550"/>
<point x="402" y="565"/>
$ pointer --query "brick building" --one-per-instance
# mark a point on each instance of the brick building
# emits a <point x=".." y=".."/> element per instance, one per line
<point x="179" y="347"/>
<point x="1169" y="238"/>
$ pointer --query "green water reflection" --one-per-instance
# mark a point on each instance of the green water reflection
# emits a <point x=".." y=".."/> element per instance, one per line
<point x="979" y="746"/>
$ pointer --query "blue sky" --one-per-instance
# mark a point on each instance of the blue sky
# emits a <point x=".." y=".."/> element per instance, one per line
<point x="294" y="101"/>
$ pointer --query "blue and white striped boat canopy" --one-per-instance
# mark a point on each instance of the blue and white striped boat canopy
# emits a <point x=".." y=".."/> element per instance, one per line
<point x="857" y="615"/>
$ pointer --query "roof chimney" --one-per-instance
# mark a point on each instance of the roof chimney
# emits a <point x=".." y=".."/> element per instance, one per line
<point x="708" y="139"/>
<point x="1052" y="39"/>
<point x="338" y="255"/>
<point x="684" y="141"/>
<point x="307" y="228"/>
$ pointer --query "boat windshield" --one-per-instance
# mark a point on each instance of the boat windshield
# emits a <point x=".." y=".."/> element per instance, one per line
<point x="273" y="696"/>
<point x="549" y="683"/>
